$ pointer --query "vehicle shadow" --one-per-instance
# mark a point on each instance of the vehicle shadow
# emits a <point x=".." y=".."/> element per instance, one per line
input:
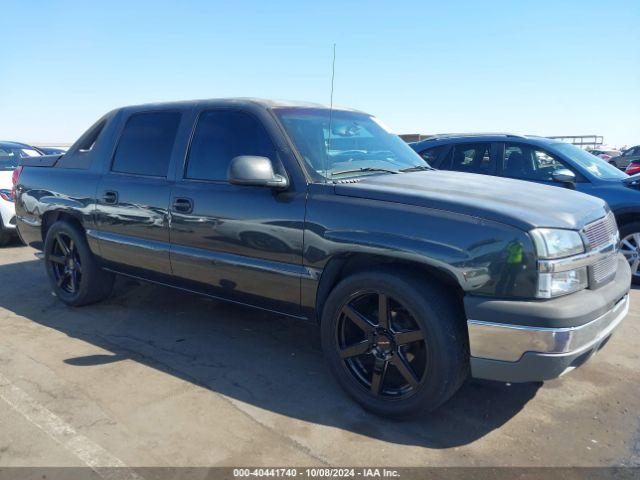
<point x="269" y="361"/>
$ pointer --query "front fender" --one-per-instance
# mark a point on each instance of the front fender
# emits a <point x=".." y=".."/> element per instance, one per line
<point x="478" y="254"/>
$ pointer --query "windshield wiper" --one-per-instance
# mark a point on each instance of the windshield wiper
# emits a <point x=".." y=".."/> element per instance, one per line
<point x="416" y="168"/>
<point x="364" y="169"/>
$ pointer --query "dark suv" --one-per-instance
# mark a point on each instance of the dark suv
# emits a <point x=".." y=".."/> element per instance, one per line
<point x="546" y="161"/>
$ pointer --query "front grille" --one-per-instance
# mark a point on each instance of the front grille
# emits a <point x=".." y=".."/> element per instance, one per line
<point x="604" y="269"/>
<point x="601" y="232"/>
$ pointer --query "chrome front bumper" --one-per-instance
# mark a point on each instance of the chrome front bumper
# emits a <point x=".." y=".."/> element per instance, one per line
<point x="518" y="353"/>
<point x="510" y="342"/>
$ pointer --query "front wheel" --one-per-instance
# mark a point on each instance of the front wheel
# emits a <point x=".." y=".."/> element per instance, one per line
<point x="5" y="237"/>
<point x="75" y="275"/>
<point x="395" y="342"/>
<point x="630" y="248"/>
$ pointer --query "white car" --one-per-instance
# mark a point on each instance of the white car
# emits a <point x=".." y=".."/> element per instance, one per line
<point x="10" y="155"/>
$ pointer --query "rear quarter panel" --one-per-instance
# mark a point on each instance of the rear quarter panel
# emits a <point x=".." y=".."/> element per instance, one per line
<point x="45" y="190"/>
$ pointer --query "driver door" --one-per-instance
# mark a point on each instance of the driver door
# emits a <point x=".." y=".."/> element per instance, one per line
<point x="242" y="243"/>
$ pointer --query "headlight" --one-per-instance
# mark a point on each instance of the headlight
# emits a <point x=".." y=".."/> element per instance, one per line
<point x="561" y="283"/>
<point x="553" y="243"/>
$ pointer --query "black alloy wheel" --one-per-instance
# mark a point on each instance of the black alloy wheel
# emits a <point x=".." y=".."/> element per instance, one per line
<point x="381" y="344"/>
<point x="76" y="276"/>
<point x="65" y="263"/>
<point x="395" y="340"/>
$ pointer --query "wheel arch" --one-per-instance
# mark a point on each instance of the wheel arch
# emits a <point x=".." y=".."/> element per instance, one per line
<point x="342" y="266"/>
<point x="52" y="216"/>
<point x="626" y="215"/>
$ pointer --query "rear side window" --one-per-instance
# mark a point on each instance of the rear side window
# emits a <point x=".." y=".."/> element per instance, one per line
<point x="90" y="138"/>
<point x="146" y="143"/>
<point x="222" y="135"/>
<point x="472" y="158"/>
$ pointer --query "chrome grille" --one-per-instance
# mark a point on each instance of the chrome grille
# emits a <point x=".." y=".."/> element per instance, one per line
<point x="601" y="232"/>
<point x="604" y="269"/>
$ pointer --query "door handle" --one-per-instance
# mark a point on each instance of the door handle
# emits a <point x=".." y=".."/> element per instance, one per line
<point x="183" y="205"/>
<point x="110" y="197"/>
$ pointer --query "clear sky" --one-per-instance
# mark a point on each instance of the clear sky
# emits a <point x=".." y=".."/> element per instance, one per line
<point x="540" y="67"/>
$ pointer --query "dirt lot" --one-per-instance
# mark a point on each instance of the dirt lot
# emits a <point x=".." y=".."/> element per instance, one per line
<point x="155" y="377"/>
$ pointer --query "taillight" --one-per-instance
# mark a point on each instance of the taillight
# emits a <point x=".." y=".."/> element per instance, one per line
<point x="14" y="180"/>
<point x="632" y="169"/>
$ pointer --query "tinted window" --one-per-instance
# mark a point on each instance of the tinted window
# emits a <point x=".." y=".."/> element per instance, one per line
<point x="89" y="139"/>
<point x="222" y="135"/>
<point x="146" y="143"/>
<point x="433" y="156"/>
<point x="472" y="158"/>
<point x="528" y="163"/>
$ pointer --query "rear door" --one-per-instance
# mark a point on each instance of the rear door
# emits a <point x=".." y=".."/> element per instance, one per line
<point x="133" y="194"/>
<point x="241" y="243"/>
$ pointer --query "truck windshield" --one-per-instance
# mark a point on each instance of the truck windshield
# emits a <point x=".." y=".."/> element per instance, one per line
<point x="594" y="165"/>
<point x="356" y="145"/>
<point x="10" y="156"/>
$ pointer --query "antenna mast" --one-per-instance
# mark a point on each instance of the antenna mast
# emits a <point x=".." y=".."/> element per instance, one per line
<point x="333" y="73"/>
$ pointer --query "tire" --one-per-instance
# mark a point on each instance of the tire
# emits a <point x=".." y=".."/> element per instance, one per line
<point x="5" y="237"/>
<point x="439" y="361"/>
<point x="630" y="247"/>
<point x="75" y="275"/>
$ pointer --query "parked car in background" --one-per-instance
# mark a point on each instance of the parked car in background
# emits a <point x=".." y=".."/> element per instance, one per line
<point x="633" y="167"/>
<point x="53" y="150"/>
<point x="631" y="156"/>
<point x="416" y="277"/>
<point x="546" y="161"/>
<point x="607" y="154"/>
<point x="10" y="154"/>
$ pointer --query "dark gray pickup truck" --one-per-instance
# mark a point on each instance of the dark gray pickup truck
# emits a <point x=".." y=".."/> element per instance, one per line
<point x="418" y="278"/>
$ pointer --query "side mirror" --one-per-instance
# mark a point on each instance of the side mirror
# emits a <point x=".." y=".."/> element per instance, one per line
<point x="564" y="175"/>
<point x="255" y="171"/>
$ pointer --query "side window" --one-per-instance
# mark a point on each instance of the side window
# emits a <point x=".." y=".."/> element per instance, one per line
<point x="528" y="163"/>
<point x="473" y="158"/>
<point x="146" y="143"/>
<point x="222" y="135"/>
<point x="434" y="155"/>
<point x="90" y="138"/>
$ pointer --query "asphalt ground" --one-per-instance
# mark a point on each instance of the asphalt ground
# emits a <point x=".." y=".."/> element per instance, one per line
<point x="156" y="377"/>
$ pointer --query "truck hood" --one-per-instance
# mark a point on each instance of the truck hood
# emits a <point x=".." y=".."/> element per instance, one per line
<point x="524" y="205"/>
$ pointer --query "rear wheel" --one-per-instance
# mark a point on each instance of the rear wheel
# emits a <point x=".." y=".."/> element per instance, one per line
<point x="395" y="343"/>
<point x="74" y="272"/>
<point x="630" y="248"/>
